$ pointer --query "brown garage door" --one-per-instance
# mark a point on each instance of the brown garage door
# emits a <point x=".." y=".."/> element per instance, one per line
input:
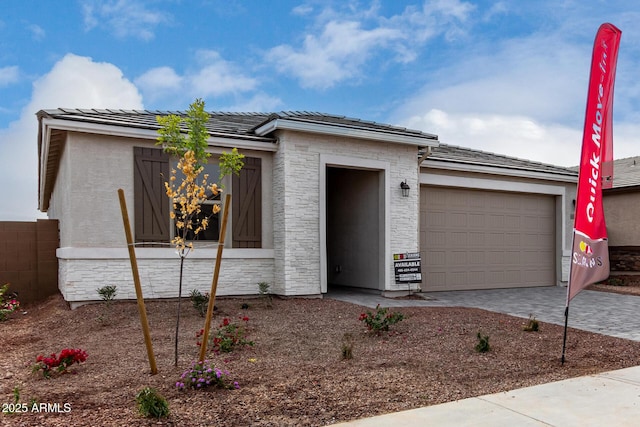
<point x="476" y="239"/>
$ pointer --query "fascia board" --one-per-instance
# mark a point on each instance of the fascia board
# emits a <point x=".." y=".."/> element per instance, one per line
<point x="132" y="132"/>
<point x="519" y="173"/>
<point x="44" y="157"/>
<point x="327" y="129"/>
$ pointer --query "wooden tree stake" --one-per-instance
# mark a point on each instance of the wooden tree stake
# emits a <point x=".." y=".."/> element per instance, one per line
<point x="136" y="282"/>
<point x="214" y="283"/>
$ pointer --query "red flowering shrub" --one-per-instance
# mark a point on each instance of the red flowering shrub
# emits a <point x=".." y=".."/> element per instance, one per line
<point x="60" y="363"/>
<point x="381" y="319"/>
<point x="228" y="336"/>
<point x="7" y="305"/>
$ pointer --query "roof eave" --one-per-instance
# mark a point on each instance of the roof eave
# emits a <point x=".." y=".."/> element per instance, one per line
<point x="345" y="131"/>
<point x="499" y="170"/>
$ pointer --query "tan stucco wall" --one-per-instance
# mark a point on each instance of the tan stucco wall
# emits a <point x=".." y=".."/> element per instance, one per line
<point x="621" y="216"/>
<point x="85" y="197"/>
<point x="93" y="168"/>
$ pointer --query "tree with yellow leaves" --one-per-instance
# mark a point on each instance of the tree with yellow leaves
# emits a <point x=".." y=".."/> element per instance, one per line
<point x="192" y="188"/>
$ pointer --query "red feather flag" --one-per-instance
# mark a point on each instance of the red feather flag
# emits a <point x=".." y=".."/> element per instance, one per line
<point x="590" y="251"/>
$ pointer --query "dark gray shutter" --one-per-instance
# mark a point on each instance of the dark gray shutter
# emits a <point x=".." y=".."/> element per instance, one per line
<point x="247" y="205"/>
<point x="151" y="170"/>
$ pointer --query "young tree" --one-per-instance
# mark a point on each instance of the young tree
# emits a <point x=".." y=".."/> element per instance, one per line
<point x="189" y="188"/>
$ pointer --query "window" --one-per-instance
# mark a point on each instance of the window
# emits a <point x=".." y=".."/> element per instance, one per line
<point x="212" y="232"/>
<point x="152" y="207"/>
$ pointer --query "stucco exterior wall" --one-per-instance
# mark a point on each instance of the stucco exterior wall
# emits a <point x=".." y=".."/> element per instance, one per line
<point x="85" y="197"/>
<point x="93" y="246"/>
<point x="298" y="207"/>
<point x="621" y="213"/>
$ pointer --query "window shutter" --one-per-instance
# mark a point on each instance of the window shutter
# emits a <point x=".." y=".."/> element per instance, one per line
<point x="151" y="170"/>
<point x="247" y="205"/>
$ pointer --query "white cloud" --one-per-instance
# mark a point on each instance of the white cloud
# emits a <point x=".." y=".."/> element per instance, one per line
<point x="303" y="9"/>
<point x="218" y="77"/>
<point x="344" y="43"/>
<point x="212" y="77"/>
<point x="523" y="98"/>
<point x="37" y="32"/>
<point x="540" y="77"/>
<point x="512" y="135"/>
<point x="74" y="82"/>
<point x="9" y="75"/>
<point x="337" y="54"/>
<point x="159" y="82"/>
<point x="260" y="102"/>
<point x="125" y="18"/>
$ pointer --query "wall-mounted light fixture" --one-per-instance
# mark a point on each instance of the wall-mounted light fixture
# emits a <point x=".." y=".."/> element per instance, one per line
<point x="405" y="188"/>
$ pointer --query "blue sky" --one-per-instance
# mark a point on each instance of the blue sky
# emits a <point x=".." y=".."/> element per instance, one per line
<point x="503" y="76"/>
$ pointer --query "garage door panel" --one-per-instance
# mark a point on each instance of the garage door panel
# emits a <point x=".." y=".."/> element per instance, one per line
<point x="477" y="220"/>
<point x="439" y="238"/>
<point x="512" y="241"/>
<point x="476" y="258"/>
<point x="476" y="239"/>
<point x="456" y="258"/>
<point x="472" y="239"/>
<point x="437" y="259"/>
<point x="459" y="239"/>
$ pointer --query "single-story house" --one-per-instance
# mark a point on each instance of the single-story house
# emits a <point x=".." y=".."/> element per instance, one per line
<point x="322" y="201"/>
<point x="621" y="215"/>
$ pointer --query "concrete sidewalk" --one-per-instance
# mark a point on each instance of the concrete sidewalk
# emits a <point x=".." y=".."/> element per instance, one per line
<point x="606" y="399"/>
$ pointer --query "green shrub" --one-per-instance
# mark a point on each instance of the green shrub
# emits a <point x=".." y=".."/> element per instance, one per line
<point x="615" y="281"/>
<point x="107" y="293"/>
<point x="347" y="346"/>
<point x="263" y="290"/>
<point x="532" y="324"/>
<point x="381" y="319"/>
<point x="483" y="343"/>
<point x="152" y="404"/>
<point x="199" y="301"/>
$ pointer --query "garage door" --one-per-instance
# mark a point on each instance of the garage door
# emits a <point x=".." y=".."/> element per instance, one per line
<point x="476" y="239"/>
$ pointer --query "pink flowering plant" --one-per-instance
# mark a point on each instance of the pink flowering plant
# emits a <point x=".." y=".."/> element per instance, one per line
<point x="7" y="304"/>
<point x="60" y="363"/>
<point x="202" y="375"/>
<point x="381" y="319"/>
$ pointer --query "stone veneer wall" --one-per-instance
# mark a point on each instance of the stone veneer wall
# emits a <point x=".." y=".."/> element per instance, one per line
<point x="624" y="258"/>
<point x="79" y="277"/>
<point x="297" y="204"/>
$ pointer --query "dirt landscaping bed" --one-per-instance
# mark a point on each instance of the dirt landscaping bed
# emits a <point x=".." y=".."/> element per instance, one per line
<point x="294" y="374"/>
<point x="619" y="284"/>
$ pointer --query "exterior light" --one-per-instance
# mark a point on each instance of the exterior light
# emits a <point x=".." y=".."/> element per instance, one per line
<point x="405" y="188"/>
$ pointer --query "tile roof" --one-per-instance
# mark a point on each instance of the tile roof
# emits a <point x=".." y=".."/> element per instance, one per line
<point x="453" y="154"/>
<point x="626" y="172"/>
<point x="225" y="123"/>
<point x="243" y="125"/>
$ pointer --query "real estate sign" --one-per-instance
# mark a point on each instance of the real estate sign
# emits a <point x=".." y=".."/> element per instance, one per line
<point x="407" y="267"/>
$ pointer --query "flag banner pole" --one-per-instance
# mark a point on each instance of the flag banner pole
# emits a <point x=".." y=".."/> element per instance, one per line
<point x="564" y="338"/>
<point x="589" y="261"/>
